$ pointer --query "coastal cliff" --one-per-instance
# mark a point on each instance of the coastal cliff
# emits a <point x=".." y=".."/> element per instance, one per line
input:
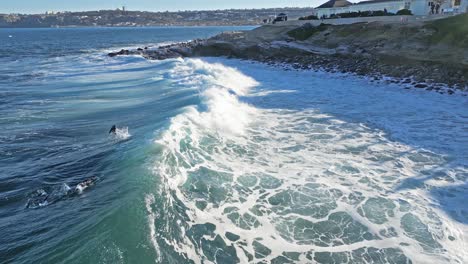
<point x="426" y="55"/>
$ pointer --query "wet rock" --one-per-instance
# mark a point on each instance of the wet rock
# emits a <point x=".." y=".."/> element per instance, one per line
<point x="121" y="52"/>
<point x="234" y="45"/>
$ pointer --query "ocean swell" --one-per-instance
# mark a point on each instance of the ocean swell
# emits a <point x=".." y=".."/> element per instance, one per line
<point x="243" y="184"/>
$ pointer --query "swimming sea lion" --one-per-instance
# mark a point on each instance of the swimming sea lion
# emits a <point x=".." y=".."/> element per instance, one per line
<point x="113" y="129"/>
<point x="80" y="187"/>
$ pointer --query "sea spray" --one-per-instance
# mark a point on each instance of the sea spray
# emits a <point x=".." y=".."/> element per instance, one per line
<point x="321" y="167"/>
<point x="291" y="185"/>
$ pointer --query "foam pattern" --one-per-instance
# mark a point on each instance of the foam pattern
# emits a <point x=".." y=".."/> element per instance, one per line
<point x="257" y="185"/>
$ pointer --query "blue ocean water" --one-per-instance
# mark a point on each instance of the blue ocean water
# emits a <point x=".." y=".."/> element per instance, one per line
<point x="218" y="160"/>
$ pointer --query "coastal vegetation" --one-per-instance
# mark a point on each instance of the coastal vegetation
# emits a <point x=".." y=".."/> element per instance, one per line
<point x="311" y="17"/>
<point x="306" y="31"/>
<point x="450" y="31"/>
<point x="402" y="12"/>
<point x="370" y="14"/>
<point x="419" y="54"/>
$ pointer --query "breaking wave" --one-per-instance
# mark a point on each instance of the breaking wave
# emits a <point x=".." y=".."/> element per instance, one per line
<point x="242" y="184"/>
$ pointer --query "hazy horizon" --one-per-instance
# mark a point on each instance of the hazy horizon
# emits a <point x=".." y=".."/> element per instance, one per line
<point x="36" y="7"/>
<point x="154" y="11"/>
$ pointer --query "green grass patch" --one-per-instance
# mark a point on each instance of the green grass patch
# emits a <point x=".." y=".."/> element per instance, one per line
<point x="306" y="31"/>
<point x="452" y="31"/>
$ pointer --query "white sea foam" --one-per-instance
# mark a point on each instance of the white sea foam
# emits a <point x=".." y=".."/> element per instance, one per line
<point x="299" y="184"/>
<point x="134" y="47"/>
<point x="265" y="93"/>
<point x="218" y="88"/>
<point x="149" y="201"/>
<point x="122" y="133"/>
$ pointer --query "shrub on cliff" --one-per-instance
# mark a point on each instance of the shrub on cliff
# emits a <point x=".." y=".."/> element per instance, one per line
<point x="311" y="17"/>
<point x="362" y="14"/>
<point x="452" y="31"/>
<point x="306" y="31"/>
<point x="404" y="12"/>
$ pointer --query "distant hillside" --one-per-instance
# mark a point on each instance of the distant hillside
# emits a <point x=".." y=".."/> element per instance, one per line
<point x="118" y="18"/>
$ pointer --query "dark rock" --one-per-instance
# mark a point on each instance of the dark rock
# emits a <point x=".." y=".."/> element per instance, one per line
<point x="411" y="75"/>
<point x="121" y="52"/>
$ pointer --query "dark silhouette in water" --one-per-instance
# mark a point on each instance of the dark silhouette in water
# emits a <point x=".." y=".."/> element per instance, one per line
<point x="113" y="129"/>
<point x="41" y="197"/>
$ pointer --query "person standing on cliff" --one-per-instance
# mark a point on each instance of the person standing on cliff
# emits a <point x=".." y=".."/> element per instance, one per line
<point x="437" y="7"/>
<point x="432" y="8"/>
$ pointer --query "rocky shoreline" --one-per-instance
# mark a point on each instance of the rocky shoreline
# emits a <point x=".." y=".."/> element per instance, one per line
<point x="279" y="48"/>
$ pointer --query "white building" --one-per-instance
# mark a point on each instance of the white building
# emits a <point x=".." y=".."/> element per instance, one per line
<point x="423" y="7"/>
<point x="417" y="7"/>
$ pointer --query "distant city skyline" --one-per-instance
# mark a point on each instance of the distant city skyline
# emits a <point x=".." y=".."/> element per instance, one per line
<point x="36" y="7"/>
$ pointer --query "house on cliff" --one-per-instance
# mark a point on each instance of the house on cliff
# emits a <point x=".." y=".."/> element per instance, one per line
<point x="417" y="7"/>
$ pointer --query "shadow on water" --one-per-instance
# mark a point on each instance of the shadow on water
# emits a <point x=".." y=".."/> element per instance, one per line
<point x="451" y="197"/>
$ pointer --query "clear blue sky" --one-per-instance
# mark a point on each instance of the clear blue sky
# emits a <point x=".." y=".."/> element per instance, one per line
<point x="40" y="6"/>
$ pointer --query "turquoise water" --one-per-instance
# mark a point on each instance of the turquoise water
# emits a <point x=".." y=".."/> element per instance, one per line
<point x="218" y="160"/>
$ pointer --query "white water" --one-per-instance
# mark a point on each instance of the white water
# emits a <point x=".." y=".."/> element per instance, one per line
<point x="343" y="167"/>
<point x="121" y="133"/>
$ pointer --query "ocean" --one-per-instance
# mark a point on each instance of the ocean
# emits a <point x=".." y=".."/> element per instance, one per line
<point x="218" y="160"/>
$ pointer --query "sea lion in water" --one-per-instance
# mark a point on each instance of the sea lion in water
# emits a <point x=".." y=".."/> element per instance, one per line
<point x="41" y="197"/>
<point x="80" y="187"/>
<point x="113" y="129"/>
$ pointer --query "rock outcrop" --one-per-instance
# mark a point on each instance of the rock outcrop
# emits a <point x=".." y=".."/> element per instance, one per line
<point x="412" y="53"/>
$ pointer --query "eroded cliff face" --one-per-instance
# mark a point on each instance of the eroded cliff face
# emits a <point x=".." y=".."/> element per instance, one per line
<point x="416" y="41"/>
<point x="444" y="41"/>
<point x="432" y="52"/>
<point x="435" y="51"/>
